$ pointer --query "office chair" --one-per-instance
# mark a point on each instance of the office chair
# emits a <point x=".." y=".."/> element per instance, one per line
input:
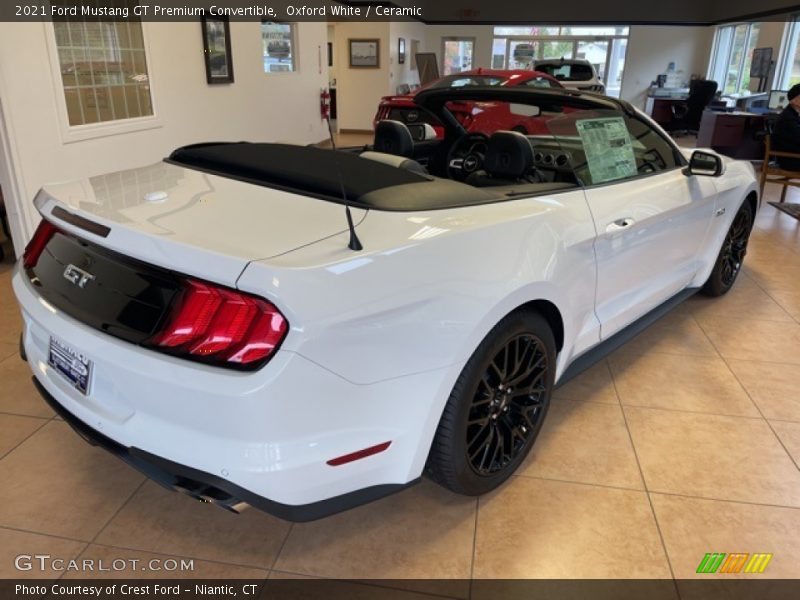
<point x="686" y="115"/>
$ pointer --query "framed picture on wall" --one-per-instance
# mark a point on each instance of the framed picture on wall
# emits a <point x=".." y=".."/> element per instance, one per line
<point x="217" y="49"/>
<point x="365" y="53"/>
<point x="401" y="51"/>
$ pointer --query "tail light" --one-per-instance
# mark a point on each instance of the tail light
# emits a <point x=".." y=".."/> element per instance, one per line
<point x="44" y="233"/>
<point x="221" y="326"/>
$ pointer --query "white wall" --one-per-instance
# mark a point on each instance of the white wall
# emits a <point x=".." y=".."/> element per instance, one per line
<point x="408" y="30"/>
<point x="652" y="47"/>
<point x="359" y="90"/>
<point x="257" y="106"/>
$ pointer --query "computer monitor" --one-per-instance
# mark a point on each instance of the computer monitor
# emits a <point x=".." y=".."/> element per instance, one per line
<point x="778" y="99"/>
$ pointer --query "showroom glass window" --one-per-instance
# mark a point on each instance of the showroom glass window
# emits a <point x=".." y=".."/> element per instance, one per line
<point x="278" y="47"/>
<point x="790" y="71"/>
<point x="518" y="46"/>
<point x="457" y="54"/>
<point x="732" y="55"/>
<point x="104" y="70"/>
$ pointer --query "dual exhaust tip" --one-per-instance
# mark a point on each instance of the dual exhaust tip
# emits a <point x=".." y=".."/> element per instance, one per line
<point x="209" y="494"/>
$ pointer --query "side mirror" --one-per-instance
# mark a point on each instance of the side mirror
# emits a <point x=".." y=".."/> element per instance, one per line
<point x="704" y="163"/>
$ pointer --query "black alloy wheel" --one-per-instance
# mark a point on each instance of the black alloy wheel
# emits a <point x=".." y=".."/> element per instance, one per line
<point x="497" y="406"/>
<point x="507" y="404"/>
<point x="735" y="247"/>
<point x="731" y="255"/>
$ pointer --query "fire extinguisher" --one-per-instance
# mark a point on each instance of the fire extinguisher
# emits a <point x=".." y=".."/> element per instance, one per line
<point x="325" y="103"/>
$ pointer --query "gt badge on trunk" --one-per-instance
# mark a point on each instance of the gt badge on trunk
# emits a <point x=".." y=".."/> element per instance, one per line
<point x="77" y="276"/>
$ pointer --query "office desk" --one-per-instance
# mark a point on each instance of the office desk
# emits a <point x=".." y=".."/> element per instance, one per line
<point x="660" y="102"/>
<point x="732" y="134"/>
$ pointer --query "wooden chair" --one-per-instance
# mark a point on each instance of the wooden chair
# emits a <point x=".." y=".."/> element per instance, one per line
<point x="771" y="172"/>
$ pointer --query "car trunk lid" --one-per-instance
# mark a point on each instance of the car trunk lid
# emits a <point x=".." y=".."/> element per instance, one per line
<point x="189" y="221"/>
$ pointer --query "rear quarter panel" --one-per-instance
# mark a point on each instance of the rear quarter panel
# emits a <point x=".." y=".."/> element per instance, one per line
<point x="428" y="286"/>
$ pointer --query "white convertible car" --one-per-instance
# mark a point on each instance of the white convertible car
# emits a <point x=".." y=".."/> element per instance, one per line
<point x="304" y="329"/>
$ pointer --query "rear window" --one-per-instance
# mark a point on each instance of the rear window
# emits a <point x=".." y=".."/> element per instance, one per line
<point x="567" y="71"/>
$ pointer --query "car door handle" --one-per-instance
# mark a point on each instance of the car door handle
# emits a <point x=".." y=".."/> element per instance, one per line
<point x="620" y="225"/>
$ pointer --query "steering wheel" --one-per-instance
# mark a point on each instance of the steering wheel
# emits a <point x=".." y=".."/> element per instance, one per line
<point x="466" y="155"/>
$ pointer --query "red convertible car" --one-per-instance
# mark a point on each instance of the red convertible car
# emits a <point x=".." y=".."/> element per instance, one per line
<point x="478" y="117"/>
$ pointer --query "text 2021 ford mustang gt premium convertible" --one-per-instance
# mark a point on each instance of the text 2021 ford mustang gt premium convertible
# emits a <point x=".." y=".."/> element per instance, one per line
<point x="304" y="329"/>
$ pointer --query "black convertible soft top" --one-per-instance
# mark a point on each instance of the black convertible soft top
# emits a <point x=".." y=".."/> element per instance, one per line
<point x="322" y="173"/>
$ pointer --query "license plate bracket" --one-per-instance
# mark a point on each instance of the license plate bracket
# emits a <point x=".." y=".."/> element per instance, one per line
<point x="72" y="365"/>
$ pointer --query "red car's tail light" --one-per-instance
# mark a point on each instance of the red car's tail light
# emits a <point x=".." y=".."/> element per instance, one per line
<point x="221" y="326"/>
<point x="44" y="233"/>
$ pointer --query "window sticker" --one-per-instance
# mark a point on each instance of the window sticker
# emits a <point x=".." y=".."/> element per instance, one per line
<point x="608" y="147"/>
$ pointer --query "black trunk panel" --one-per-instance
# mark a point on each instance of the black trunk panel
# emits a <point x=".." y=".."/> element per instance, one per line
<point x="127" y="298"/>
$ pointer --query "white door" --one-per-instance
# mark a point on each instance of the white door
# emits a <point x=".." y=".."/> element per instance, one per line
<point x="649" y="231"/>
<point x="649" y="217"/>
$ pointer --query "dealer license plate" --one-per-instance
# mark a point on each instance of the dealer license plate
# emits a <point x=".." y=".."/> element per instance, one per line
<point x="71" y="365"/>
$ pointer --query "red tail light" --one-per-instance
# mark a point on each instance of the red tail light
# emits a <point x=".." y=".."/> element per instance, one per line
<point x="221" y="326"/>
<point x="44" y="233"/>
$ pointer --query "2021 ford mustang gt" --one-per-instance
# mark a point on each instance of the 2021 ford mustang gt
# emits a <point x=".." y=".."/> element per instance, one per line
<point x="305" y="329"/>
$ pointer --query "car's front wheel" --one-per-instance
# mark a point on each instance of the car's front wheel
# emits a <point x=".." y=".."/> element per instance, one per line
<point x="497" y="406"/>
<point x="731" y="255"/>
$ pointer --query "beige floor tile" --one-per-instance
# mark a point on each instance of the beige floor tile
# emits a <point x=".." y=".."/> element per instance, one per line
<point x="10" y="323"/>
<point x="789" y="434"/>
<point x="532" y="529"/>
<point x="774" y="275"/>
<point x="789" y="300"/>
<point x="723" y="458"/>
<point x="692" y="527"/>
<point x="747" y="339"/>
<point x="21" y="548"/>
<point x="593" y="385"/>
<point x="18" y="394"/>
<point x="118" y="563"/>
<point x="8" y="350"/>
<point x="424" y="532"/>
<point x="56" y="483"/>
<point x="158" y="520"/>
<point x="746" y="300"/>
<point x="675" y="333"/>
<point x="584" y="442"/>
<point x="774" y="387"/>
<point x="14" y="429"/>
<point x="669" y="381"/>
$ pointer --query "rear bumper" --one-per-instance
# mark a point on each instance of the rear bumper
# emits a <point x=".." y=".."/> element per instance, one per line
<point x="263" y="438"/>
<point x="207" y="487"/>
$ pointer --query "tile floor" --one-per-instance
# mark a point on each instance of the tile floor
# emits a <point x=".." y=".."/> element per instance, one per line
<point x="685" y="441"/>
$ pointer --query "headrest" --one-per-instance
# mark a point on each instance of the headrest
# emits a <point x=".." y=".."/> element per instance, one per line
<point x="393" y="137"/>
<point x="509" y="155"/>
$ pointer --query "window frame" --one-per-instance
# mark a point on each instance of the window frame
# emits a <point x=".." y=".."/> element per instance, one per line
<point x="541" y="39"/>
<point x="783" y="67"/>
<point x="717" y="66"/>
<point x="450" y="38"/>
<point x="77" y="133"/>
<point x="293" y="32"/>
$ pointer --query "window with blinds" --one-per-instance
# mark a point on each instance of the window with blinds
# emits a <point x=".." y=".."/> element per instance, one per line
<point x="103" y="70"/>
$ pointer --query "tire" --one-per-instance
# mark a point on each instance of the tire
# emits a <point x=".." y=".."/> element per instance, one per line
<point x="485" y="434"/>
<point x="731" y="255"/>
<point x="520" y="129"/>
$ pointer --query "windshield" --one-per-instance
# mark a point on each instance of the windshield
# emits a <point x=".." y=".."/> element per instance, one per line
<point x="567" y="71"/>
<point x="457" y="81"/>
